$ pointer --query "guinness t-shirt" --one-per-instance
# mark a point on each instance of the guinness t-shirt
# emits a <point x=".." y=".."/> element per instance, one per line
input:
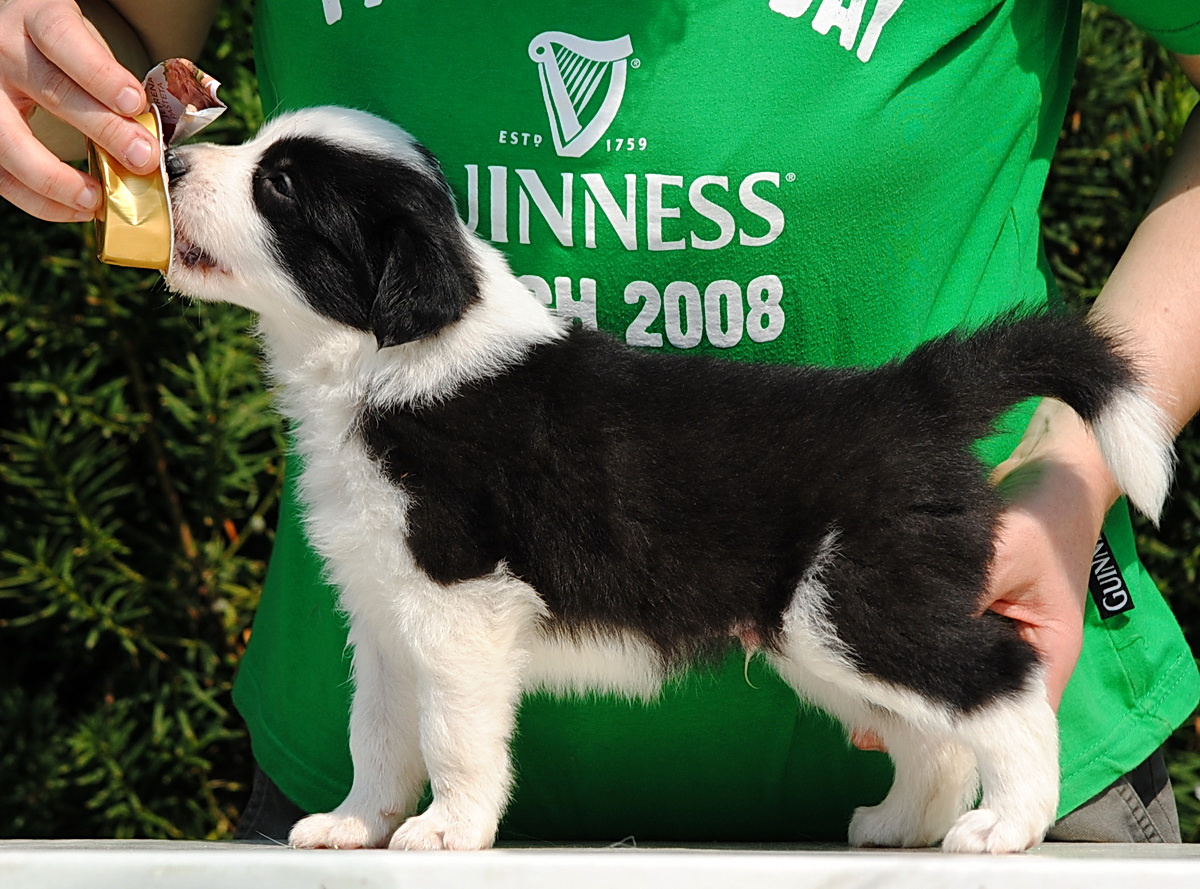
<point x="828" y="181"/>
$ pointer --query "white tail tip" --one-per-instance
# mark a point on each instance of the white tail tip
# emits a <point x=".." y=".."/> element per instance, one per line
<point x="1135" y="437"/>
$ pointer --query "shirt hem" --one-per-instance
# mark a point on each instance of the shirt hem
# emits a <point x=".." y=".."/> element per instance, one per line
<point x="1184" y="40"/>
<point x="1134" y="737"/>
<point x="308" y="788"/>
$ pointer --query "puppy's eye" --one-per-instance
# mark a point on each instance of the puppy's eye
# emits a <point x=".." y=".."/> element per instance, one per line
<point x="282" y="184"/>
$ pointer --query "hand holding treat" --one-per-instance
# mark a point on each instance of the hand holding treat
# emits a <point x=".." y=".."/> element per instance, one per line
<point x="53" y="62"/>
<point x="134" y="227"/>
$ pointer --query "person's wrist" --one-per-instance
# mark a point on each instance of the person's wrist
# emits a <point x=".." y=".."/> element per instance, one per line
<point x="1058" y="442"/>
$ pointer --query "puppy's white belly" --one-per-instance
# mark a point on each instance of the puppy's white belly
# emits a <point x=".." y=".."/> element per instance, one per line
<point x="576" y="664"/>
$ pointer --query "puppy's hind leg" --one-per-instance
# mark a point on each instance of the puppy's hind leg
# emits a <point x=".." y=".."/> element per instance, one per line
<point x="388" y="772"/>
<point x="934" y="776"/>
<point x="1015" y="740"/>
<point x="935" y="784"/>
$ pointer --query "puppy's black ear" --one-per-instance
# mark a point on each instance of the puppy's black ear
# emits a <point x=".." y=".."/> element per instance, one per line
<point x="428" y="281"/>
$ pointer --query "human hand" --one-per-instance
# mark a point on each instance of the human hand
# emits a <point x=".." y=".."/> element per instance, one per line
<point x="1044" y="548"/>
<point x="52" y="58"/>
<point x="1058" y="490"/>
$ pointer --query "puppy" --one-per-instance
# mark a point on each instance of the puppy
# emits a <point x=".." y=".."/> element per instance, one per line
<point x="507" y="502"/>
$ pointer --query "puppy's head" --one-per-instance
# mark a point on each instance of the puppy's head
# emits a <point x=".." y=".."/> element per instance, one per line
<point x="328" y="216"/>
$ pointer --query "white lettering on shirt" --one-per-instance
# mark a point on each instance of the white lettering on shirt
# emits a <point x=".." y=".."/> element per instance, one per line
<point x="656" y="212"/>
<point x="652" y="207"/>
<point x="333" y="9"/>
<point x="846" y="18"/>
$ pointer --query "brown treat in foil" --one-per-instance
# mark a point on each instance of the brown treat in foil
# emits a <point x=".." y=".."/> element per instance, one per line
<point x="186" y="98"/>
<point x="183" y="82"/>
<point x="134" y="225"/>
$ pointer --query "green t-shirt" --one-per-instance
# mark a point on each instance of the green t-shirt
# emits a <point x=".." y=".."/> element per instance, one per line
<point x="781" y="181"/>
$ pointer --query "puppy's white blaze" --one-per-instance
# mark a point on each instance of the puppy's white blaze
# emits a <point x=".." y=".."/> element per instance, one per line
<point x="214" y="209"/>
<point x="1135" y="438"/>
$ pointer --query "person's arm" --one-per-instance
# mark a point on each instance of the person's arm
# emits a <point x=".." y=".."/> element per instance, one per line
<point x="1060" y="486"/>
<point x="59" y="75"/>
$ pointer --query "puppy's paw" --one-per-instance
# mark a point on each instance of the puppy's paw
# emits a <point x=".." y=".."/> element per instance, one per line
<point x="886" y="826"/>
<point x="334" y="831"/>
<point x="984" y="831"/>
<point x="907" y="822"/>
<point x="434" y="830"/>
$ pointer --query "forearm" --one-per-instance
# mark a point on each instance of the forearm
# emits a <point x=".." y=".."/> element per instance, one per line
<point x="167" y="30"/>
<point x="1152" y="302"/>
<point x="1153" y="295"/>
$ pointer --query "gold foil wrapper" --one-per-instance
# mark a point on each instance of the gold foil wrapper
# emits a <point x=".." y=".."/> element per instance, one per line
<point x="133" y="227"/>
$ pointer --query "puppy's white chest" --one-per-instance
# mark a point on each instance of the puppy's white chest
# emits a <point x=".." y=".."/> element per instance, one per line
<point x="355" y="516"/>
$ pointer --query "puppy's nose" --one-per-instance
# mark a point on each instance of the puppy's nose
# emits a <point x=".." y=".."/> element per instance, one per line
<point x="176" y="166"/>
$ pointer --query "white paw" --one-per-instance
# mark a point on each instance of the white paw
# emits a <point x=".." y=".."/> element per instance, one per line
<point x="333" y="831"/>
<point x="886" y="826"/>
<point x="435" y="830"/>
<point x="984" y="831"/>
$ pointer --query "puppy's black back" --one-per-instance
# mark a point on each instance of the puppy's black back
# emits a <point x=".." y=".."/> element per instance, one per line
<point x="684" y="498"/>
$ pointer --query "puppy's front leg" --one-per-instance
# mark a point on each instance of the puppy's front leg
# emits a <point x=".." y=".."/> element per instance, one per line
<point x="469" y="660"/>
<point x="384" y="748"/>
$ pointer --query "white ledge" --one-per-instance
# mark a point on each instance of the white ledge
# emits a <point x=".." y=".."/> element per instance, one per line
<point x="120" y="864"/>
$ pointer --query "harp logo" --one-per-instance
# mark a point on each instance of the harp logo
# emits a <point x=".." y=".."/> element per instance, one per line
<point x="583" y="82"/>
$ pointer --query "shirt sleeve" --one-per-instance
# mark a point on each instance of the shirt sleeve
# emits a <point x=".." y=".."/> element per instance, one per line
<point x="1173" y="23"/>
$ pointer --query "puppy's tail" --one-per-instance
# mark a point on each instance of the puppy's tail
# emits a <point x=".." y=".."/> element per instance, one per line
<point x="1017" y="357"/>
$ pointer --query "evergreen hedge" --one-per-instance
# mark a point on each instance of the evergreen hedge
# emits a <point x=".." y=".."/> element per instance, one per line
<point x="139" y="471"/>
<point x="140" y="467"/>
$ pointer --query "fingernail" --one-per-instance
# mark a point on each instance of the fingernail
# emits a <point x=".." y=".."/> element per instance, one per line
<point x="129" y="101"/>
<point x="138" y="154"/>
<point x="88" y="198"/>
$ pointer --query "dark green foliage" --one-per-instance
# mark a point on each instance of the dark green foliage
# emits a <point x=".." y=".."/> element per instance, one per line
<point x="140" y="465"/>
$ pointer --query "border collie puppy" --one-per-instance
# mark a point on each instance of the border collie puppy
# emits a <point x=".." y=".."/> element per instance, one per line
<point x="508" y="502"/>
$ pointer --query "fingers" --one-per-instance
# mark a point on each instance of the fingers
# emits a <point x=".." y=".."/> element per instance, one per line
<point x="1039" y="588"/>
<point x="126" y="140"/>
<point x="39" y="205"/>
<point x="57" y="92"/>
<point x="52" y="58"/>
<point x="75" y="50"/>
<point x="38" y="182"/>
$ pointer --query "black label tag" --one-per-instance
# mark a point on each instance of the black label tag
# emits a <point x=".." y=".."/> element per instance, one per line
<point x="1109" y="590"/>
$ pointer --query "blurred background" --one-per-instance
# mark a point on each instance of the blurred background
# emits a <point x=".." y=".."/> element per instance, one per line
<point x="140" y="468"/>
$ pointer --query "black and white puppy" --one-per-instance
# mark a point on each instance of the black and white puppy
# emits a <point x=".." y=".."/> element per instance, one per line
<point x="507" y="502"/>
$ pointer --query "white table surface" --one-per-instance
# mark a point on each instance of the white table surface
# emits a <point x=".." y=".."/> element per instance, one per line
<point x="51" y="864"/>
